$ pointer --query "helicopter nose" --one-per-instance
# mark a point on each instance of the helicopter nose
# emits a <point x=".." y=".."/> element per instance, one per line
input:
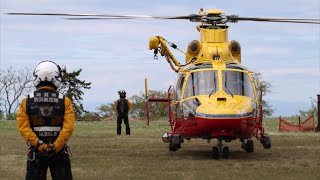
<point x="225" y="108"/>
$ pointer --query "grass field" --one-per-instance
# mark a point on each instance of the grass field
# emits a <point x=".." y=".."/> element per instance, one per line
<point x="100" y="154"/>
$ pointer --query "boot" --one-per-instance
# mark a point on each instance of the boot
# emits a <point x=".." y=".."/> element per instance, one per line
<point x="118" y="129"/>
<point x="127" y="129"/>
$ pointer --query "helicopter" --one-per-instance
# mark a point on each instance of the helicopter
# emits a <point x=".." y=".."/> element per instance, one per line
<point x="215" y="95"/>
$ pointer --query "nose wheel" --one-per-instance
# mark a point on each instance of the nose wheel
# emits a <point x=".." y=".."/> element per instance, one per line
<point x="220" y="150"/>
<point x="215" y="152"/>
<point x="225" y="152"/>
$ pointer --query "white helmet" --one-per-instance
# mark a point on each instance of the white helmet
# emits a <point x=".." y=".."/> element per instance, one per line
<point x="47" y="71"/>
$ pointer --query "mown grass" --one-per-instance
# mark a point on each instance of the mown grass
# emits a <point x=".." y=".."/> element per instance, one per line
<point x="98" y="153"/>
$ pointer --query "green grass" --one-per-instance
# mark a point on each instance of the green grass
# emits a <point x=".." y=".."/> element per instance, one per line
<point x="98" y="153"/>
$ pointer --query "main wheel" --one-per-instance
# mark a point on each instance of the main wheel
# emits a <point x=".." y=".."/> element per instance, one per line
<point x="172" y="147"/>
<point x="174" y="143"/>
<point x="249" y="146"/>
<point x="215" y="152"/>
<point x="225" y="152"/>
<point x="266" y="142"/>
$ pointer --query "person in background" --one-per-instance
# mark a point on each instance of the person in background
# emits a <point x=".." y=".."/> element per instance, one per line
<point x="123" y="106"/>
<point x="46" y="120"/>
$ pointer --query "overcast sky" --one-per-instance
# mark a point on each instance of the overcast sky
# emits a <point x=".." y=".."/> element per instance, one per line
<point x="114" y="55"/>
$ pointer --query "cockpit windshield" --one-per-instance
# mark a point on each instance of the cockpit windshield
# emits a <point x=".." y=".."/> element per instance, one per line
<point x="201" y="83"/>
<point x="237" y="83"/>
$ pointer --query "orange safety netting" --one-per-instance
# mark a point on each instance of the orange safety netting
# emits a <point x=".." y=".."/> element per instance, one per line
<point x="307" y="125"/>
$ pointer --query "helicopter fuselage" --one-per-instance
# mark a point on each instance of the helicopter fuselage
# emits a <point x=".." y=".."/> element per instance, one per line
<point x="216" y="100"/>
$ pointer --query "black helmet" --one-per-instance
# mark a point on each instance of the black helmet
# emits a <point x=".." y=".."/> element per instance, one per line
<point x="122" y="94"/>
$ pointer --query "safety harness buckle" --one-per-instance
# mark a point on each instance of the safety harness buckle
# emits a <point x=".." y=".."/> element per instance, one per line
<point x="31" y="155"/>
<point x="67" y="151"/>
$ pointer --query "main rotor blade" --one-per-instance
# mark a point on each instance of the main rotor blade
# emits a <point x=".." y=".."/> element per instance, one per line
<point x="99" y="18"/>
<point x="285" y="20"/>
<point x="106" y="16"/>
<point x="192" y="17"/>
<point x="110" y="18"/>
<point x="48" y="14"/>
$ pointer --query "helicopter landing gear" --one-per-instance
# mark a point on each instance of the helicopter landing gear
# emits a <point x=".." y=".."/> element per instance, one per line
<point x="247" y="145"/>
<point x="219" y="149"/>
<point x="175" y="143"/>
<point x="225" y="152"/>
<point x="266" y="141"/>
<point x="215" y="152"/>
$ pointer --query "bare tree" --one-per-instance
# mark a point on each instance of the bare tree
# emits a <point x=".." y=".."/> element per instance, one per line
<point x="13" y="84"/>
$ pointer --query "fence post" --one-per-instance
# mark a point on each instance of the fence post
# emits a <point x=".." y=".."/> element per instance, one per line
<point x="279" y="123"/>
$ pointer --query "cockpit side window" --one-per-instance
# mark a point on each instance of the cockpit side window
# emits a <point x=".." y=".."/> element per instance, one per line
<point x="256" y="81"/>
<point x="179" y="86"/>
<point x="237" y="83"/>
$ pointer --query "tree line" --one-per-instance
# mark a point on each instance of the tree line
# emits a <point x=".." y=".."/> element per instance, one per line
<point x="16" y="83"/>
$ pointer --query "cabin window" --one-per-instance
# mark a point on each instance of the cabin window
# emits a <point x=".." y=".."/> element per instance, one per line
<point x="237" y="83"/>
<point x="201" y="83"/>
<point x="178" y="111"/>
<point x="179" y="86"/>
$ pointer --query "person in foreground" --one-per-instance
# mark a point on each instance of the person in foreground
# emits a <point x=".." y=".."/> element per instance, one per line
<point x="46" y="120"/>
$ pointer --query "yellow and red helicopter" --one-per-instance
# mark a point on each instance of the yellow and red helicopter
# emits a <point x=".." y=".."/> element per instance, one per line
<point x="215" y="96"/>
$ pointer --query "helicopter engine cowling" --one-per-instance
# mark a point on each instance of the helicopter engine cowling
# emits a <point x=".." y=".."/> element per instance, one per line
<point x="194" y="48"/>
<point x="235" y="49"/>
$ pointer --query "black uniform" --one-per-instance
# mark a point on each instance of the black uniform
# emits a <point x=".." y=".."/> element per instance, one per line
<point x="123" y="106"/>
<point x="46" y="115"/>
